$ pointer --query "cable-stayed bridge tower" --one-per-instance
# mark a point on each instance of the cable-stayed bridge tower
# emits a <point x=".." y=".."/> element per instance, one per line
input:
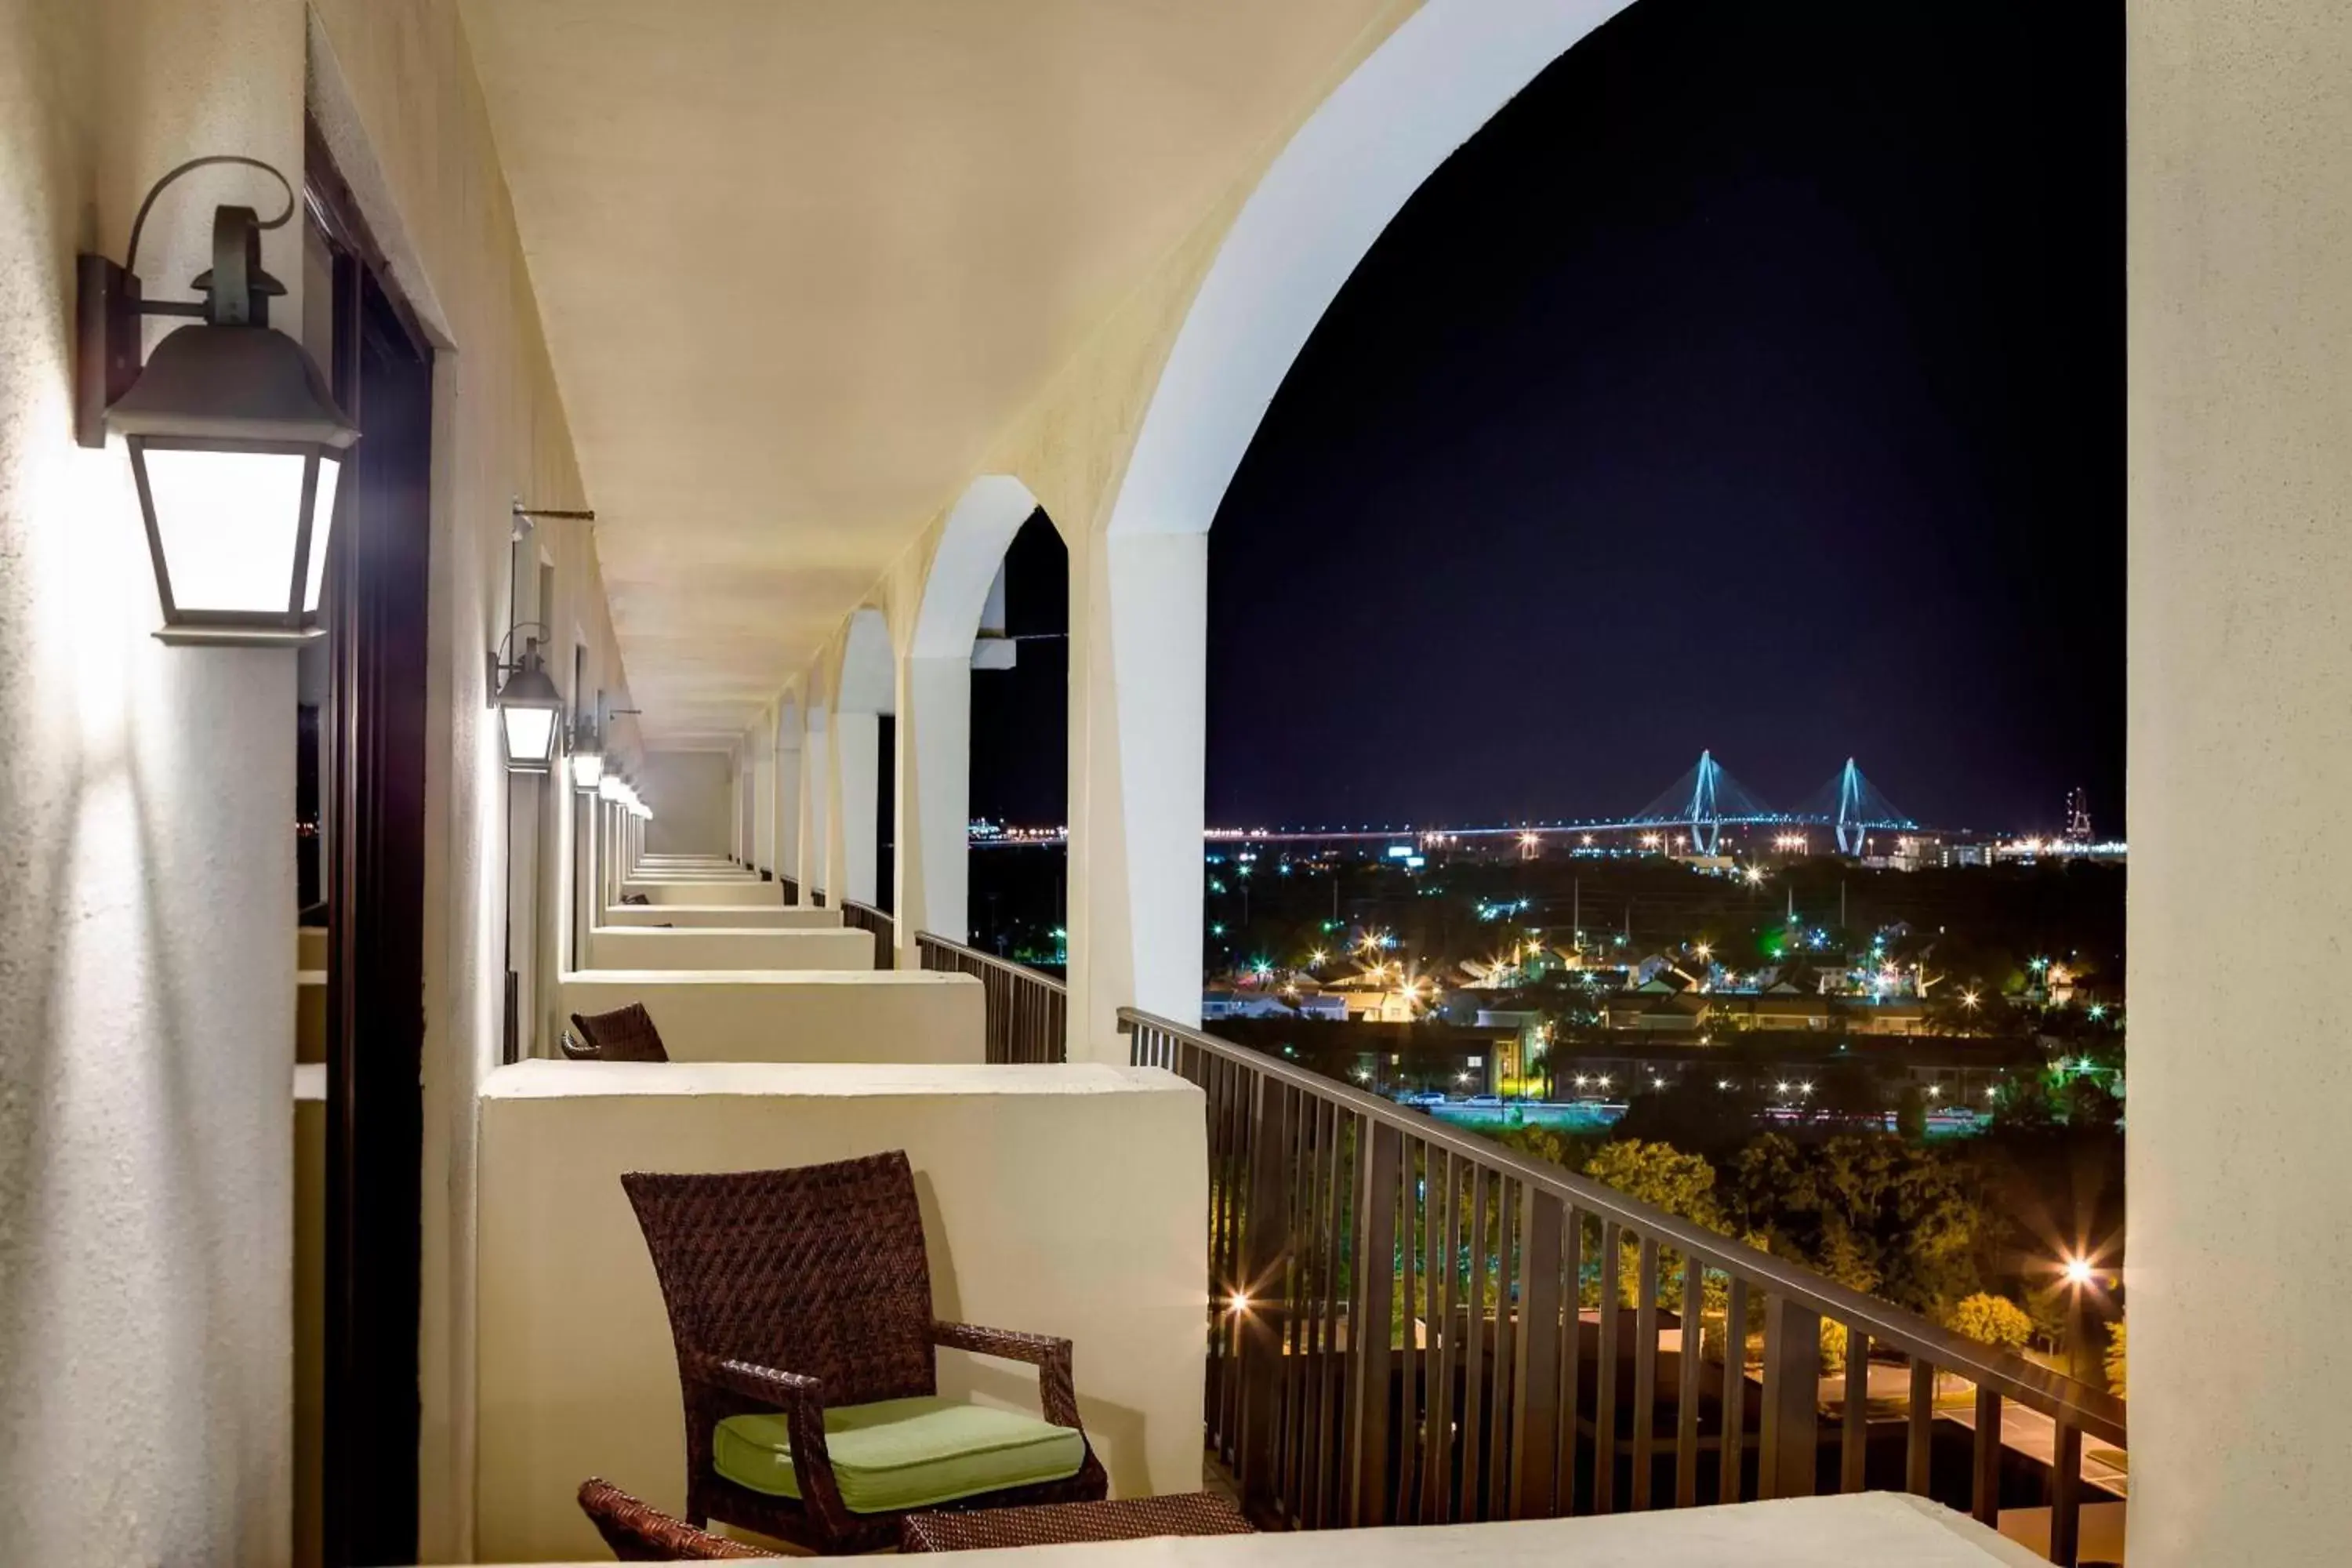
<point x="1855" y="807"/>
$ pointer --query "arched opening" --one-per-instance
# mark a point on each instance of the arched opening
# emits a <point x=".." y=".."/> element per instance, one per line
<point x="987" y="769"/>
<point x="1744" y="385"/>
<point x="1020" y="774"/>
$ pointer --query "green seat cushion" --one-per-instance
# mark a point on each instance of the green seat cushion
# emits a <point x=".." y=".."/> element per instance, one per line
<point x="897" y="1453"/>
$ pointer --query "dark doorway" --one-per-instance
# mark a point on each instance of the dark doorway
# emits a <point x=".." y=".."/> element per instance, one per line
<point x="886" y="815"/>
<point x="371" y="769"/>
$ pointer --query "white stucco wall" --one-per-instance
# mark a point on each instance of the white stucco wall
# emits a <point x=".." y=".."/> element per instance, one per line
<point x="2241" y="744"/>
<point x="712" y="947"/>
<point x="737" y="917"/>
<point x="147" y="962"/>
<point x="1060" y="1200"/>
<point x="694" y="801"/>
<point x="804" y="1015"/>
<point x="670" y="889"/>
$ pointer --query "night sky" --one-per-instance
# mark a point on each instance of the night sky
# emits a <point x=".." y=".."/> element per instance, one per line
<point x="1754" y="382"/>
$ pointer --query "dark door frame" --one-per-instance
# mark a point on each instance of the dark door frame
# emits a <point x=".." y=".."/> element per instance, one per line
<point x="379" y="580"/>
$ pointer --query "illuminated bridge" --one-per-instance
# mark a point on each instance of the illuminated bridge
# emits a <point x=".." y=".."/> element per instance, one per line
<point x="1696" y="809"/>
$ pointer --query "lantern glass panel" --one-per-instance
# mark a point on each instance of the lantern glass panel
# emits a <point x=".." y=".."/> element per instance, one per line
<point x="530" y="733"/>
<point x="322" y="531"/>
<point x="229" y="523"/>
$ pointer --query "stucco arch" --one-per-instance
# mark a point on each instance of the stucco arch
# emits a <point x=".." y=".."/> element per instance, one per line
<point x="1324" y="200"/>
<point x="979" y="529"/>
<point x="868" y="682"/>
<point x="1138" y="794"/>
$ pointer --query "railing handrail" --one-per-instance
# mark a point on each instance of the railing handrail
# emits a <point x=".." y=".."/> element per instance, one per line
<point x="989" y="960"/>
<point x="2093" y="1411"/>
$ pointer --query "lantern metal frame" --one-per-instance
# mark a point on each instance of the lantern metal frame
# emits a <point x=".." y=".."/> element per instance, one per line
<point x="524" y="683"/>
<point x="229" y="383"/>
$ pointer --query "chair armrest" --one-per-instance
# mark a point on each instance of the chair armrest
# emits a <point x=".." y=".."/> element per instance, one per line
<point x="801" y="1400"/>
<point x="1056" y="1391"/>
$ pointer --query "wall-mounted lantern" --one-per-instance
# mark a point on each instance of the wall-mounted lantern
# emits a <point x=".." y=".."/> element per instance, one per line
<point x="237" y="446"/>
<point x="587" y="754"/>
<point x="531" y="709"/>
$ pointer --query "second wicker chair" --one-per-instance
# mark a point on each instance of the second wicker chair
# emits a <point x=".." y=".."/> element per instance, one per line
<point x="625" y="1035"/>
<point x="800" y="1301"/>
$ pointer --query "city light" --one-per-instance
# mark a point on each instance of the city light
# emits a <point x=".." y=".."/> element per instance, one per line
<point x="1704" y="949"/>
<point x="1238" y="1301"/>
<point x="2078" y="1272"/>
<point x="1317" y="958"/>
<point x="1969" y="999"/>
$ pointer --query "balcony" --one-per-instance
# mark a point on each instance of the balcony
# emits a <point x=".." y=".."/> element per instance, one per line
<point x="1550" y="1349"/>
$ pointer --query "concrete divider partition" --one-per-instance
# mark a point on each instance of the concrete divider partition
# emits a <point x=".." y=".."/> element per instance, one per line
<point x="804" y="1015"/>
<point x="734" y="917"/>
<point x="618" y="947"/>
<point x="718" y="891"/>
<point x="1067" y="1200"/>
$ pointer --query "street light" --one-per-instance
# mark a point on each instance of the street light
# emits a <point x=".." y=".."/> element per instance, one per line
<point x="237" y="446"/>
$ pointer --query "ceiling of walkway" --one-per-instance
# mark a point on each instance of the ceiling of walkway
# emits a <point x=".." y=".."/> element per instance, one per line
<point x="800" y="261"/>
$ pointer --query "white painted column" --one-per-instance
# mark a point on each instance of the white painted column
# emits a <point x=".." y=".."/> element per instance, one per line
<point x="816" y="837"/>
<point x="2239" y="352"/>
<point x="146" y="1001"/>
<point x="1138" y="712"/>
<point x="763" y="798"/>
<point x="856" y="767"/>
<point x="787" y="815"/>
<point x="934" y="798"/>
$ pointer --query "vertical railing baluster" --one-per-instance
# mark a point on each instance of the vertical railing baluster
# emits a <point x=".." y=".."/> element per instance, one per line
<point x="1502" y="1379"/>
<point x="1790" y="1451"/>
<point x="1536" y="1412"/>
<point x="1604" y="1377"/>
<point x="1984" y="1495"/>
<point x="1449" y="1350"/>
<point x="1687" y="1362"/>
<point x="1919" y="1430"/>
<point x="1409" y="1242"/>
<point x="1260" y="1315"/>
<point x="1853" y="1438"/>
<point x="1368" y="1331"/>
<point x="1733" y="1445"/>
<point x="1474" y="1351"/>
<point x="1437" y="1288"/>
<point x="1572" y="1351"/>
<point x="2066" y="1493"/>
<point x="1645" y="1371"/>
<point x="1330" y="1444"/>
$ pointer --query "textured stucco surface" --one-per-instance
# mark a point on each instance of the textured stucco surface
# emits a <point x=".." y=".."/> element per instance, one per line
<point x="692" y="794"/>
<point x="807" y="1015"/>
<point x="2241" y="744"/>
<point x="146" y="869"/>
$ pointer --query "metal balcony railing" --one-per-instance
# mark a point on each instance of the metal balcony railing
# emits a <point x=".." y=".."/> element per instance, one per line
<point x="1528" y="1352"/>
<point x="866" y="917"/>
<point x="1028" y="1012"/>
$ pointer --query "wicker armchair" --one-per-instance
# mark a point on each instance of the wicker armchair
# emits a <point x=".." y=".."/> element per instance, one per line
<point x="625" y="1035"/>
<point x="640" y="1532"/>
<point x="796" y="1291"/>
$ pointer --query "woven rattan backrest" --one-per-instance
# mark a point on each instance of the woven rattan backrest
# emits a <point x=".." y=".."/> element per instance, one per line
<point x="625" y="1035"/>
<point x="818" y="1270"/>
<point x="638" y="1532"/>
